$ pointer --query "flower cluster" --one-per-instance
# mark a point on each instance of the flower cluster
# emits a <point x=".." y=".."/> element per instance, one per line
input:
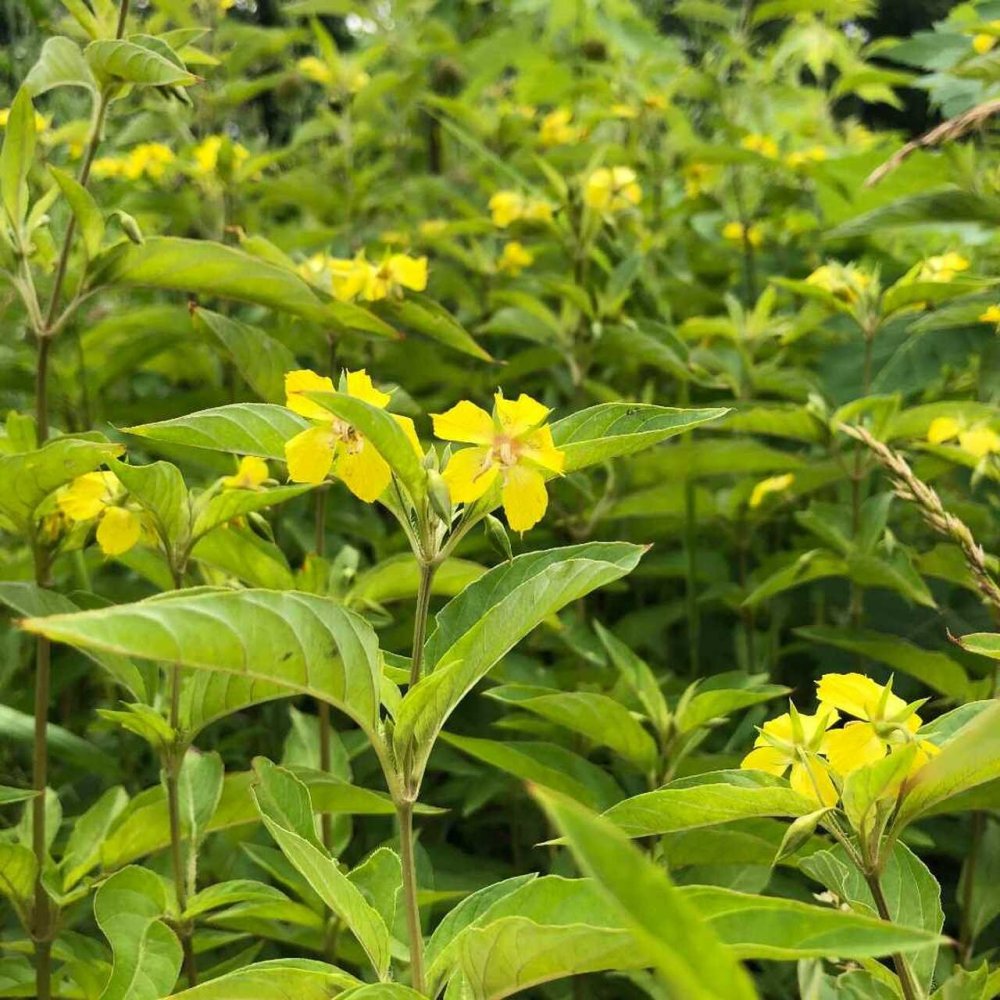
<point x="358" y="278"/>
<point x="612" y="189"/>
<point x="512" y="447"/>
<point x="844" y="281"/>
<point x="99" y="496"/>
<point x="978" y="440"/>
<point x="818" y="757"/>
<point x="148" y="159"/>
<point x="507" y="207"/>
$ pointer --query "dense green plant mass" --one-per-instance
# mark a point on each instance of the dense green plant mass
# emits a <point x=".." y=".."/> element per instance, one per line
<point x="498" y="499"/>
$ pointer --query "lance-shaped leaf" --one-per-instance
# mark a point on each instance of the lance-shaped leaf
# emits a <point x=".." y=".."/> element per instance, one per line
<point x="159" y="488"/>
<point x="31" y="601"/>
<point x="970" y="759"/>
<point x="83" y="849"/>
<point x="260" y="359"/>
<point x="60" y="64"/>
<point x="419" y="314"/>
<point x="286" y="810"/>
<point x="16" y="155"/>
<point x="28" y="477"/>
<point x="397" y="578"/>
<point x="685" y="952"/>
<point x="259" y="429"/>
<point x="638" y="675"/>
<point x="707" y="800"/>
<point x="303" y="643"/>
<point x="146" y="954"/>
<point x="474" y="630"/>
<point x="383" y="431"/>
<point x="85" y="210"/>
<point x="207" y="268"/>
<point x="18" y="871"/>
<point x="602" y="720"/>
<point x="611" y="430"/>
<point x="121" y="61"/>
<point x="232" y="503"/>
<point x="278" y="979"/>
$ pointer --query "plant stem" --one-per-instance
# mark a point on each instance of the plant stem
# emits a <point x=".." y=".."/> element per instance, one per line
<point x="172" y="761"/>
<point x="326" y="820"/>
<point x="420" y="621"/>
<point x="404" y="812"/>
<point x="911" y="991"/>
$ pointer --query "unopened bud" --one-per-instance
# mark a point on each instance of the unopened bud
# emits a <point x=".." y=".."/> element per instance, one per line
<point x="496" y="534"/>
<point x="440" y="498"/>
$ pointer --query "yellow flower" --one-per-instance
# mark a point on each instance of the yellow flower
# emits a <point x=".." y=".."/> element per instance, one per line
<point x="149" y="159"/>
<point x="315" y="69"/>
<point x="885" y="722"/>
<point x="206" y="154"/>
<point x="655" y="102"/>
<point x="513" y="444"/>
<point x="983" y="41"/>
<point x="507" y="207"/>
<point x="943" y="429"/>
<point x="96" y="495"/>
<point x="736" y="232"/>
<point x="800" y="158"/>
<point x="250" y="475"/>
<point x="627" y="111"/>
<point x="846" y="282"/>
<point x="943" y="268"/>
<point x="979" y="441"/>
<point x="612" y="189"/>
<point x="991" y="315"/>
<point x="335" y="444"/>
<point x="556" y="130"/>
<point x="773" y="484"/>
<point x="762" y="144"/>
<point x="372" y="282"/>
<point x="107" y="166"/>
<point x="795" y="742"/>
<point x="699" y="177"/>
<point x="515" y="259"/>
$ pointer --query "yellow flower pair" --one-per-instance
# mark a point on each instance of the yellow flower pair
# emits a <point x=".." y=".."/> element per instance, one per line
<point x="508" y="207"/>
<point x="815" y="754"/>
<point x="979" y="441"/>
<point x="612" y="189"/>
<point x="98" y="496"/>
<point x="512" y="446"/>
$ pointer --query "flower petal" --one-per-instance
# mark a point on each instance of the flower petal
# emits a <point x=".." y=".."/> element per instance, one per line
<point x="360" y="386"/>
<point x="852" y="747"/>
<point x="854" y="694"/>
<point x="768" y="759"/>
<point x="309" y="455"/>
<point x="304" y="380"/>
<point x="811" y="779"/>
<point x="410" y="431"/>
<point x="118" y="530"/>
<point x="464" y="422"/>
<point x="469" y="475"/>
<point x="539" y="448"/>
<point x="251" y="473"/>
<point x="87" y="495"/>
<point x="517" y="416"/>
<point x="363" y="470"/>
<point x="524" y="497"/>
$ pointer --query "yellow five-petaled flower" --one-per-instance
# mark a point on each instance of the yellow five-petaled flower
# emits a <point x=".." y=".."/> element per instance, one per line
<point x="514" y="445"/>
<point x="333" y="443"/>
<point x="98" y="495"/>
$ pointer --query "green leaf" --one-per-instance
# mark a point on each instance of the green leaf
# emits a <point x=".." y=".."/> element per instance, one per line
<point x="611" y="430"/>
<point x="419" y="314"/>
<point x="83" y="849"/>
<point x="865" y="789"/>
<point x="116" y="60"/>
<point x="242" y="429"/>
<point x="303" y="643"/>
<point x="146" y="953"/>
<point x="339" y="893"/>
<point x="596" y="716"/>
<point x="935" y="669"/>
<point x="203" y="267"/>
<point x="722" y="695"/>
<point x="971" y="758"/>
<point x="12" y="796"/>
<point x="32" y="601"/>
<point x="199" y="787"/>
<point x="85" y="211"/>
<point x="478" y="627"/>
<point x="639" y="677"/>
<point x="68" y="747"/>
<point x="260" y="359"/>
<point x="396" y="579"/>
<point x="60" y="64"/>
<point x="684" y="951"/>
<point x="912" y="895"/>
<point x="159" y="488"/>
<point x="982" y="643"/>
<point x="546" y="764"/>
<point x="232" y="503"/>
<point x="380" y="879"/>
<point x="18" y="871"/>
<point x="931" y="208"/>
<point x="16" y="156"/>
<point x="28" y="477"/>
<point x="384" y="432"/>
<point x="724" y="798"/>
<point x="243" y="555"/>
<point x="278" y="979"/>
<point x="767" y="927"/>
